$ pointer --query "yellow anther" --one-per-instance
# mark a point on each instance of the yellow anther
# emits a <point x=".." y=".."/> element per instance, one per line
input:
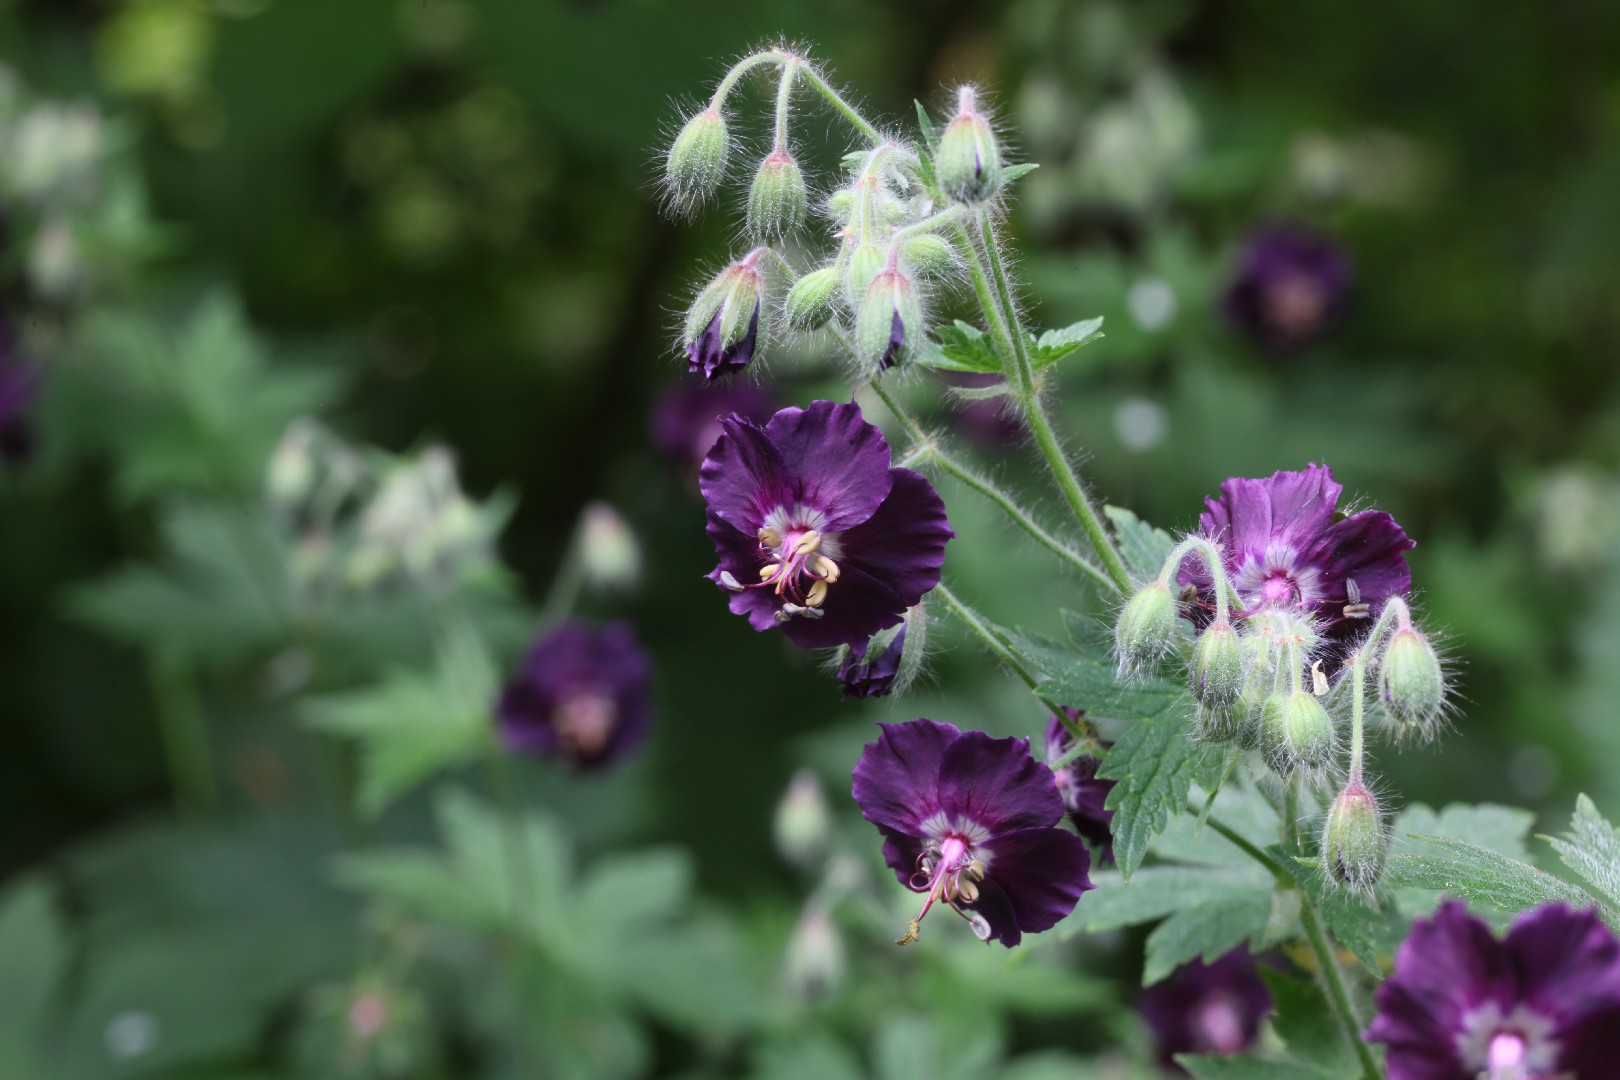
<point x="768" y="571"/>
<point x="966" y="890"/>
<point x="817" y="594"/>
<point x="975" y="870"/>
<point x="824" y="568"/>
<point x="770" y="538"/>
<point x="807" y="543"/>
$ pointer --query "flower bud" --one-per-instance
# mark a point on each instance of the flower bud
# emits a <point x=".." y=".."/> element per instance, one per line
<point x="889" y="662"/>
<point x="809" y="303"/>
<point x="776" y="202"/>
<point x="815" y="956"/>
<point x="841" y="203"/>
<point x="802" y="826"/>
<point x="1354" y="843"/>
<point x="609" y="556"/>
<point x="1145" y="627"/>
<point x="930" y="254"/>
<point x="722" y="325"/>
<point x="1412" y="684"/>
<point x="290" y="477"/>
<point x="968" y="164"/>
<point x="889" y="322"/>
<point x="697" y="160"/>
<point x="865" y="264"/>
<point x="1296" y="732"/>
<point x="1217" y="671"/>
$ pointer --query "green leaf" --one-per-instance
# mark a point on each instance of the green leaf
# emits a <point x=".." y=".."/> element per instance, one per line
<point x="1077" y="680"/>
<point x="960" y="347"/>
<point x="420" y="882"/>
<point x="35" y="947"/>
<point x="1306" y="1022"/>
<point x="1481" y="875"/>
<point x="411" y="726"/>
<point x="1014" y="172"/>
<point x="1503" y="829"/>
<point x="1369" y="932"/>
<point x="1208" y="927"/>
<point x="1158" y="891"/>
<point x="1592" y="850"/>
<point x="1054" y="345"/>
<point x="1153" y="763"/>
<point x="1246" y="1068"/>
<point x="1143" y="547"/>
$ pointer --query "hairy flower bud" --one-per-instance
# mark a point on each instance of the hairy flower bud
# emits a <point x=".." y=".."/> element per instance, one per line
<point x="809" y="303"/>
<point x="815" y="956"/>
<point x="865" y="264"/>
<point x="803" y="825"/>
<point x="968" y="164"/>
<point x="1354" y="843"/>
<point x="1145" y="627"/>
<point x="1217" y="669"/>
<point x="1412" y="684"/>
<point x="930" y="254"/>
<point x="777" y="200"/>
<point x="1296" y="732"/>
<point x="722" y="325"/>
<point x="697" y="160"/>
<point x="889" y="322"/>
<point x="609" y="556"/>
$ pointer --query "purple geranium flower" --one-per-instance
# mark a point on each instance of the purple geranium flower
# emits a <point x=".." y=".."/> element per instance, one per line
<point x="972" y="821"/>
<point x="1542" y="1003"/>
<point x="709" y="355"/>
<point x="1206" y="1008"/>
<point x="581" y="694"/>
<point x="684" y="420"/>
<point x="1290" y="287"/>
<point x="815" y="532"/>
<point x="869" y="670"/>
<point x="1285" y="546"/>
<point x="1083" y="794"/>
<point x="19" y="383"/>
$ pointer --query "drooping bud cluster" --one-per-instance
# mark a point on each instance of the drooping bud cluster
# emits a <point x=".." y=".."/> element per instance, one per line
<point x="696" y="165"/>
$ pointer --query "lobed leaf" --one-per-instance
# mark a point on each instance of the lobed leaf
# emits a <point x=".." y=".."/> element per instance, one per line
<point x="1479" y="874"/>
<point x="1143" y="547"/>
<point x="1153" y="764"/>
<point x="1592" y="851"/>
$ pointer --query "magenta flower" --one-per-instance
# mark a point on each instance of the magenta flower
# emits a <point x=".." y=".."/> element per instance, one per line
<point x="971" y="821"/>
<point x="684" y="420"/>
<point x="581" y="695"/>
<point x="814" y="531"/>
<point x="1206" y="1008"/>
<point x="1285" y="546"/>
<point x="1541" y="1004"/>
<point x="1290" y="287"/>
<point x="1083" y="794"/>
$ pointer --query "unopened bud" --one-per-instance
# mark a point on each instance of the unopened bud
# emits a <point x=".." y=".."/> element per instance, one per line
<point x="1354" y="844"/>
<point x="865" y="264"/>
<point x="815" y="956"/>
<point x="290" y="477"/>
<point x="609" y="555"/>
<point x="1412" y="684"/>
<point x="968" y="164"/>
<point x="889" y="322"/>
<point x="1145" y="627"/>
<point x="809" y="303"/>
<point x="889" y="662"/>
<point x="776" y="202"/>
<point x="930" y="254"/>
<point x="802" y="825"/>
<point x="1297" y="732"/>
<point x="697" y="160"/>
<point x="1217" y="670"/>
<point x="722" y="325"/>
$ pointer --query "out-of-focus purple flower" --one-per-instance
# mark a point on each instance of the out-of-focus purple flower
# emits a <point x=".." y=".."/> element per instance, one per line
<point x="869" y="671"/>
<point x="1542" y="1003"/>
<point x="684" y="420"/>
<point x="19" y="385"/>
<point x="1083" y="794"/>
<point x="1206" y="1008"/>
<point x="986" y="421"/>
<point x="814" y="531"/>
<point x="1290" y="287"/>
<point x="971" y="821"/>
<point x="581" y="695"/>
<point x="1284" y="546"/>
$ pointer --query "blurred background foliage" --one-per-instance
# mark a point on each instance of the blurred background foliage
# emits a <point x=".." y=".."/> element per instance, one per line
<point x="432" y="223"/>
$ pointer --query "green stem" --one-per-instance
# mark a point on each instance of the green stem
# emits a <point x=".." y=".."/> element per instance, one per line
<point x="1002" y="311"/>
<point x="741" y="68"/>
<point x="926" y="449"/>
<point x="1358" y="708"/>
<point x="974" y="622"/>
<point x="784" y="97"/>
<point x="184" y="730"/>
<point x="1338" y="992"/>
<point x="825" y="89"/>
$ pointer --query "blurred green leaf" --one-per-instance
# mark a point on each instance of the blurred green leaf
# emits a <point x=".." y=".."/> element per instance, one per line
<point x="1208" y="927"/>
<point x="1307" y="1023"/>
<point x="1246" y="1068"/>
<point x="1483" y="876"/>
<point x="1368" y="930"/>
<point x="1143" y="547"/>
<point x="1592" y="851"/>
<point x="34" y="943"/>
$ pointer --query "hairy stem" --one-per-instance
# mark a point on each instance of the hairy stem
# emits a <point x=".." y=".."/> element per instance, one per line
<point x="1338" y="992"/>
<point x="1001" y="311"/>
<point x="926" y="450"/>
<point x="784" y="99"/>
<point x="741" y="68"/>
<point x="837" y="100"/>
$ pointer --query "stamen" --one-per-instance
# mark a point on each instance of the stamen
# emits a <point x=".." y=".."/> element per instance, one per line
<point x="966" y="891"/>
<point x="818" y="593"/>
<point x="807" y="543"/>
<point x="768" y="571"/>
<point x="729" y="582"/>
<point x="770" y="537"/>
<point x="824" y="568"/>
<point x="1319" y="680"/>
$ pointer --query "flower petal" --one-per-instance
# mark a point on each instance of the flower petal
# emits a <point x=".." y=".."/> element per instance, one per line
<point x="834" y="460"/>
<point x="1371" y="548"/>
<point x="738" y="556"/>
<point x="1447" y="965"/>
<point x="1040" y="874"/>
<point x="743" y="478"/>
<point x="995" y="784"/>
<point x="1569" y="970"/>
<point x="896" y="782"/>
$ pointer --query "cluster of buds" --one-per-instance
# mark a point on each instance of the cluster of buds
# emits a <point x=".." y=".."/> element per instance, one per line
<point x="1286" y="653"/>
<point x="886" y="219"/>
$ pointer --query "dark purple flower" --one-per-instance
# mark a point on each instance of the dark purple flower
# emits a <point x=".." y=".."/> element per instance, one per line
<point x="708" y="354"/>
<point x="1285" y="546"/>
<point x="815" y="532"/>
<point x="19" y="384"/>
<point x="1543" y="1003"/>
<point x="581" y="694"/>
<point x="869" y="670"/>
<point x="1083" y="794"/>
<point x="1290" y="287"/>
<point x="971" y="821"/>
<point x="1206" y="1008"/>
<point x="684" y="420"/>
